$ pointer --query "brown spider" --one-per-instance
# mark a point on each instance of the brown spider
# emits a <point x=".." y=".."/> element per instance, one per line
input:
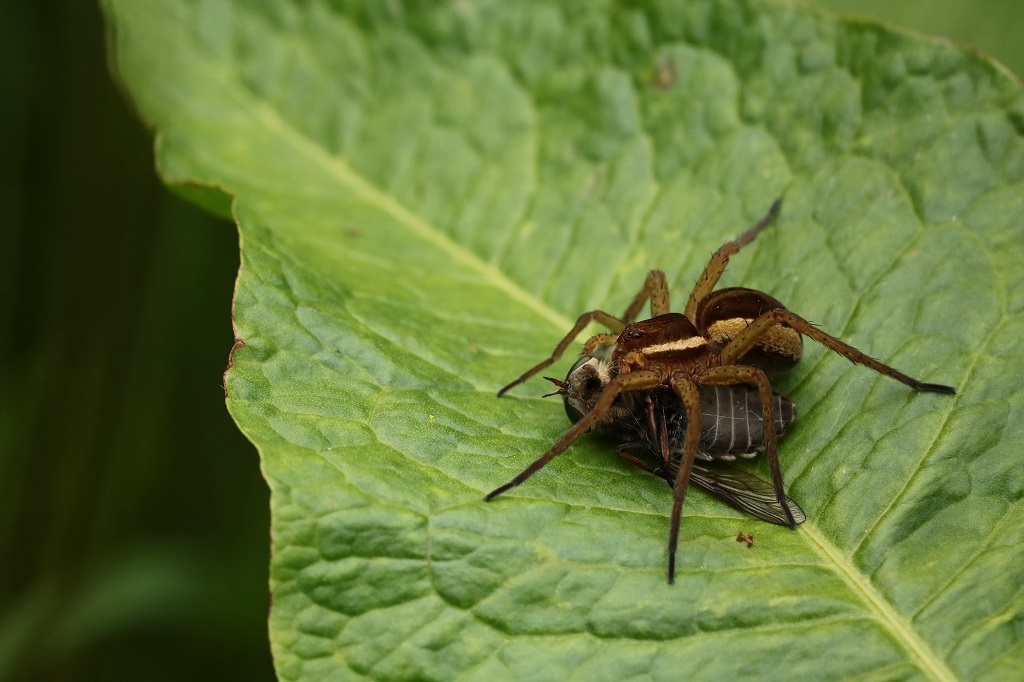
<point x="723" y="338"/>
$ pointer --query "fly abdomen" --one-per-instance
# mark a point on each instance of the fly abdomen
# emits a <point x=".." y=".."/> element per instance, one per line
<point x="732" y="422"/>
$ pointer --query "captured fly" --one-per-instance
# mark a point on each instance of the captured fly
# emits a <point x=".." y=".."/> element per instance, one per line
<point x="651" y="428"/>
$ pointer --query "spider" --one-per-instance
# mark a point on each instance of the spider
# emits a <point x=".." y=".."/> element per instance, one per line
<point x="733" y="336"/>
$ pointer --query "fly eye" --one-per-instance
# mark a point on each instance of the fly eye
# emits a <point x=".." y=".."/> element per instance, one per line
<point x="575" y="367"/>
<point x="571" y="412"/>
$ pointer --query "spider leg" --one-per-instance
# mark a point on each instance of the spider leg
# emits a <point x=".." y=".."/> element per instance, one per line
<point x="728" y="375"/>
<point x="689" y="394"/>
<point x="610" y="321"/>
<point x="655" y="289"/>
<point x="716" y="266"/>
<point x="746" y="339"/>
<point x="598" y="340"/>
<point x="630" y="381"/>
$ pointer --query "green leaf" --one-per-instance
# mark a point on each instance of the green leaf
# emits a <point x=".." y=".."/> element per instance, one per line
<point x="428" y="194"/>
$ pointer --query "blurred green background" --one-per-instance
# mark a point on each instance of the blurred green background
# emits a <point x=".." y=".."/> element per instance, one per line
<point x="992" y="26"/>
<point x="133" y="518"/>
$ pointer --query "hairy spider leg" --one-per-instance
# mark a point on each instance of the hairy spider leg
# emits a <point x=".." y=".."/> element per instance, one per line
<point x="631" y="381"/>
<point x="598" y="340"/>
<point x="748" y="337"/>
<point x="716" y="266"/>
<point x="610" y="321"/>
<point x="727" y="375"/>
<point x="689" y="394"/>
<point x="655" y="289"/>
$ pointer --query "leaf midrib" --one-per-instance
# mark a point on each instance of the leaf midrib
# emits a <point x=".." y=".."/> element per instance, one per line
<point x="860" y="585"/>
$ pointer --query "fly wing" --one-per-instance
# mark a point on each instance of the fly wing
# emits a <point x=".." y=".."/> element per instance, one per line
<point x="746" y="492"/>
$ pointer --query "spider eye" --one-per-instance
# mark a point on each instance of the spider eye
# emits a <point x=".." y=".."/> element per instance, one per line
<point x="632" y="334"/>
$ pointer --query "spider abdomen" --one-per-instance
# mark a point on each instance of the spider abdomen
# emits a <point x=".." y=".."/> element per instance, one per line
<point x="725" y="313"/>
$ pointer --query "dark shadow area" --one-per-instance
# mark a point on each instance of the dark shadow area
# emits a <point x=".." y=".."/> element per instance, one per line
<point x="133" y="517"/>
